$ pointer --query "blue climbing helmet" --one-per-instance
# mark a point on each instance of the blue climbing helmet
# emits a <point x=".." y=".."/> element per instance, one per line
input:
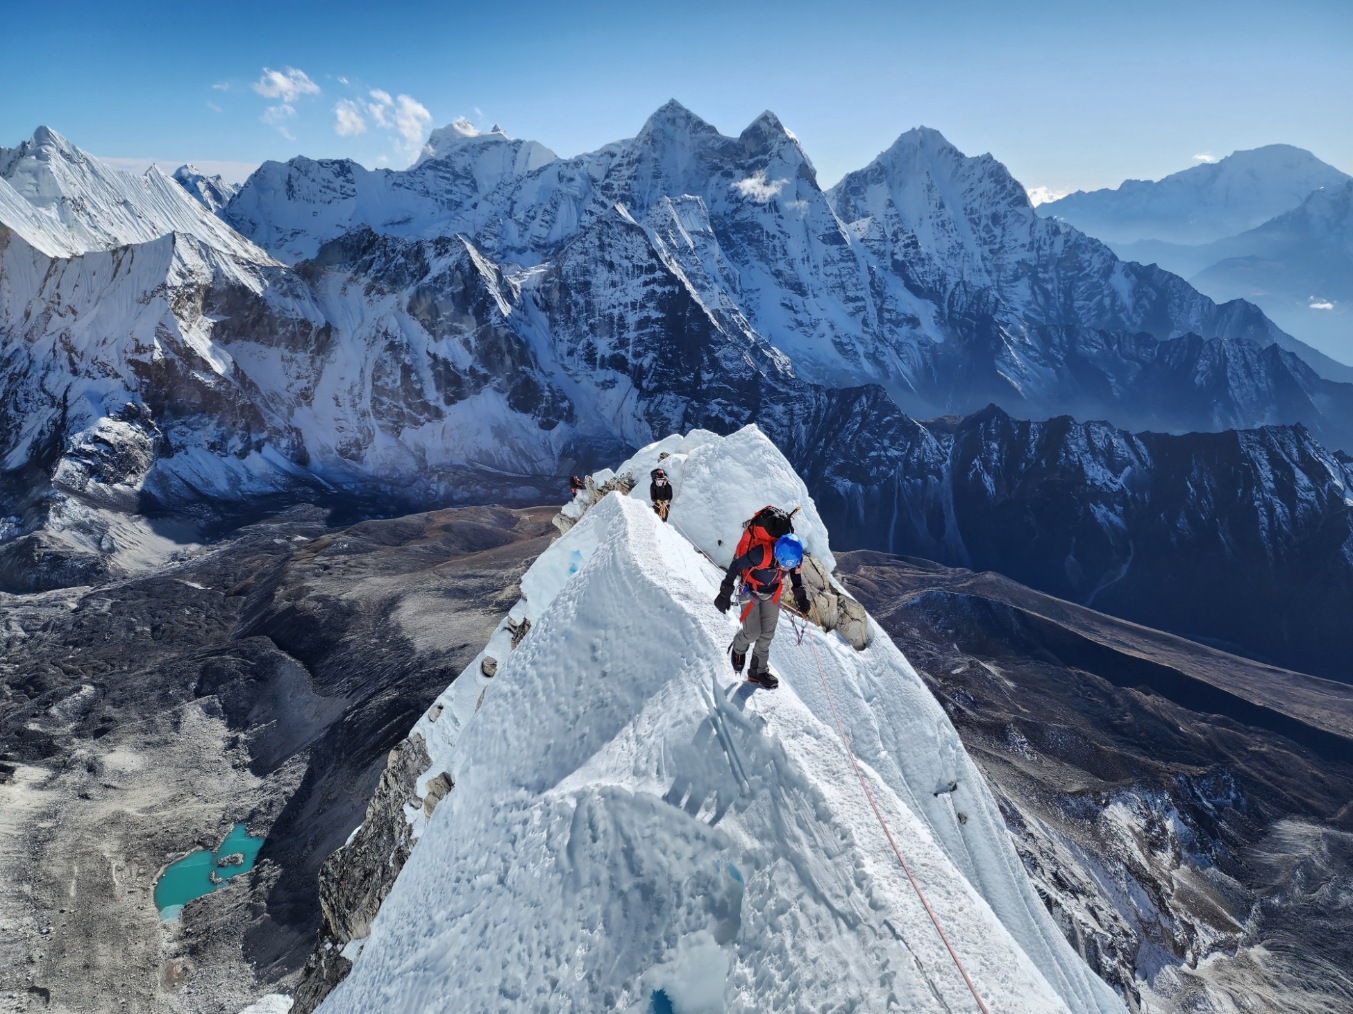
<point x="788" y="551"/>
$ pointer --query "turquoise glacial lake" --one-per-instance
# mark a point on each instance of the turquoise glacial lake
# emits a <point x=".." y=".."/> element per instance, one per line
<point x="202" y="872"/>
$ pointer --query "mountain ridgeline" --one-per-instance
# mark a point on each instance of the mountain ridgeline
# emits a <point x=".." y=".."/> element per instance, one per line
<point x="493" y="317"/>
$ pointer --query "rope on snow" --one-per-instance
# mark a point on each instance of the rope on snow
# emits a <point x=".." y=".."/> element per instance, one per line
<point x="878" y="814"/>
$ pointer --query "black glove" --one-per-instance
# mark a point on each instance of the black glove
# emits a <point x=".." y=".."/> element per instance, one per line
<point x="801" y="600"/>
<point x="724" y="600"/>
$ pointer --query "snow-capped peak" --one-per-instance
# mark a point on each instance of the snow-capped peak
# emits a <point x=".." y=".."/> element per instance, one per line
<point x="630" y="828"/>
<point x="767" y="137"/>
<point x="1203" y="203"/>
<point x="461" y="135"/>
<point x="44" y="145"/>
<point x="674" y="122"/>
<point x="76" y="203"/>
<point x="926" y="152"/>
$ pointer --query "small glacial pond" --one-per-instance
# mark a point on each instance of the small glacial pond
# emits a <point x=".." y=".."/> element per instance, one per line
<point x="202" y="872"/>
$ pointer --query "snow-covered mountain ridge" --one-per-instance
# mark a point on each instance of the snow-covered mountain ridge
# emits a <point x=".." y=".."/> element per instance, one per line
<point x="472" y="327"/>
<point x="620" y="829"/>
<point x="65" y="203"/>
<point x="1204" y="203"/>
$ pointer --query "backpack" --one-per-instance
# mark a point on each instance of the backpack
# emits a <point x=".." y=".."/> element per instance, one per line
<point x="763" y="528"/>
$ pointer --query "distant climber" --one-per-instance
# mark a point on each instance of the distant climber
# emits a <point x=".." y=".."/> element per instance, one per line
<point x="660" y="492"/>
<point x="575" y="485"/>
<point x="768" y="549"/>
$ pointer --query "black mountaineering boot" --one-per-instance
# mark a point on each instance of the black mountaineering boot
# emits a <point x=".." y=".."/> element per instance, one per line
<point x="765" y="678"/>
<point x="739" y="660"/>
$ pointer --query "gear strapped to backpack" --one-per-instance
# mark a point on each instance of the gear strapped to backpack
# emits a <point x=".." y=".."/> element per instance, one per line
<point x="763" y="529"/>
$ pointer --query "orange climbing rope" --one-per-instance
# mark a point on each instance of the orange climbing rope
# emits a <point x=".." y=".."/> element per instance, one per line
<point x="845" y="741"/>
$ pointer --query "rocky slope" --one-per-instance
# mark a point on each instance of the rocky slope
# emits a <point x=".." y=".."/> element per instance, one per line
<point x="1184" y="812"/>
<point x="265" y="680"/>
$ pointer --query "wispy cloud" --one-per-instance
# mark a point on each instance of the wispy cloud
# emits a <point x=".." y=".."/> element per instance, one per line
<point x="403" y="115"/>
<point x="1319" y="304"/>
<point x="287" y="85"/>
<point x="412" y="121"/>
<point x="1042" y="195"/>
<point x="221" y="86"/>
<point x="214" y="107"/>
<point x="1203" y="156"/>
<point x="277" y="116"/>
<point x="758" y="189"/>
<point x="348" y="119"/>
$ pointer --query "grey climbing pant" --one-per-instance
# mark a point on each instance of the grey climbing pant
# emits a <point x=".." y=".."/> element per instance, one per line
<point x="759" y="627"/>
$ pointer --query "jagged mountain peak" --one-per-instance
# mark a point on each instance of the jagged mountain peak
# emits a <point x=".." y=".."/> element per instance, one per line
<point x="926" y="149"/>
<point x="675" y="121"/>
<point x="767" y="137"/>
<point x="767" y="126"/>
<point x="926" y="178"/>
<point x="461" y="136"/>
<point x="44" y="144"/>
<point x="212" y="192"/>
<point x="64" y="201"/>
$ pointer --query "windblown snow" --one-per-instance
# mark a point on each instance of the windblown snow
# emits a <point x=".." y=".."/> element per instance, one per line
<point x="631" y="828"/>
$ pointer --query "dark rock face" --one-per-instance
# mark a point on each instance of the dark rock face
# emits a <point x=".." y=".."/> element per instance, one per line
<point x="355" y="879"/>
<point x="1171" y="802"/>
<point x="264" y="681"/>
<point x="1243" y="538"/>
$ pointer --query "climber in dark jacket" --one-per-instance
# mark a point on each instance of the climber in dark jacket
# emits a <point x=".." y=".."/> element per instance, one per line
<point x="660" y="492"/>
<point x="762" y="570"/>
<point x="575" y="484"/>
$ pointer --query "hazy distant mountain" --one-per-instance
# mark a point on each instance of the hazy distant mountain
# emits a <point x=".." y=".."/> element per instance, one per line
<point x="1204" y="203"/>
<point x="214" y="192"/>
<point x="1270" y="226"/>
<point x="1297" y="267"/>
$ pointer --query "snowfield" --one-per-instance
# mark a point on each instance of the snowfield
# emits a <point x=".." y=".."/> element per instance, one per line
<point x="631" y="828"/>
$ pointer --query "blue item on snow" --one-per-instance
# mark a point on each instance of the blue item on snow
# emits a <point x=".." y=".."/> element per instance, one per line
<point x="788" y="551"/>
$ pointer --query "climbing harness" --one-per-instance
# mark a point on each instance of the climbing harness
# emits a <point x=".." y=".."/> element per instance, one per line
<point x="878" y="814"/>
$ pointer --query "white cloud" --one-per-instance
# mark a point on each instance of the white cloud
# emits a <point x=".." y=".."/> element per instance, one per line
<point x="758" y="189"/>
<point x="404" y="115"/>
<point x="287" y="85"/>
<point x="1205" y="157"/>
<point x="1319" y="304"/>
<point x="412" y="121"/>
<point x="214" y="107"/>
<point x="380" y="108"/>
<point x="221" y="86"/>
<point x="342" y="80"/>
<point x="275" y="116"/>
<point x="348" y="119"/>
<point x="1042" y="195"/>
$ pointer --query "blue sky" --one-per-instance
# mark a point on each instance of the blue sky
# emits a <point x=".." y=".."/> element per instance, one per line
<point x="1067" y="94"/>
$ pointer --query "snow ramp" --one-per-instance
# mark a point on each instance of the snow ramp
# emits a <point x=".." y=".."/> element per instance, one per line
<point x="632" y="828"/>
